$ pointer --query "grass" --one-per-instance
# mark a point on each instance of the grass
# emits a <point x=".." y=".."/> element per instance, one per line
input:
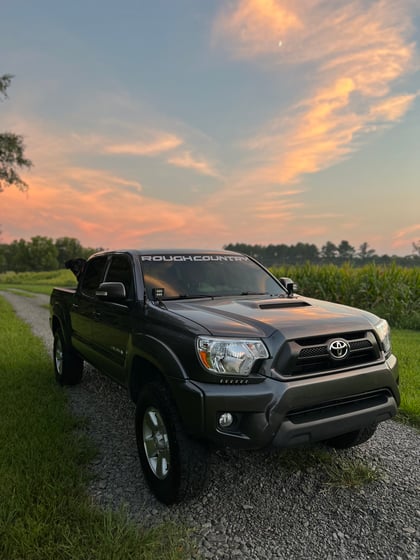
<point x="37" y="282"/>
<point x="336" y="470"/>
<point x="45" y="512"/>
<point x="406" y="345"/>
<point x="36" y="289"/>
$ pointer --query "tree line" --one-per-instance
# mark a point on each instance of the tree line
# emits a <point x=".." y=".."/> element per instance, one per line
<point x="330" y="253"/>
<point x="44" y="254"/>
<point x="41" y="254"/>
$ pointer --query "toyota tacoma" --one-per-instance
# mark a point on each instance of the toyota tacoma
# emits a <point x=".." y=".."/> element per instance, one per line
<point x="216" y="351"/>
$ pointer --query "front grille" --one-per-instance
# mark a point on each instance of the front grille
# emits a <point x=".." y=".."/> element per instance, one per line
<point x="310" y="356"/>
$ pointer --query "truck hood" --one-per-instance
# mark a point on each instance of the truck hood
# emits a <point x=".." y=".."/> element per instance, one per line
<point x="294" y="317"/>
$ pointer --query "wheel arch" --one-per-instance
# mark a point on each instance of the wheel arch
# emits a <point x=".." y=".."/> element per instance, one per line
<point x="152" y="359"/>
<point x="57" y="323"/>
<point x="185" y="396"/>
<point x="142" y="371"/>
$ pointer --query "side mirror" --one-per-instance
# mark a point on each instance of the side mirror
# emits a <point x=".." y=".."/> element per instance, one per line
<point x="288" y="285"/>
<point x="112" y="291"/>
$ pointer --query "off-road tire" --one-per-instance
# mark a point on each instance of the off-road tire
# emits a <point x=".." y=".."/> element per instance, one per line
<point x="68" y="366"/>
<point x="174" y="465"/>
<point x="351" y="439"/>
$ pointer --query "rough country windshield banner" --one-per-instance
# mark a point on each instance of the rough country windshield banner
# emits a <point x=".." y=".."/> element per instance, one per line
<point x="193" y="258"/>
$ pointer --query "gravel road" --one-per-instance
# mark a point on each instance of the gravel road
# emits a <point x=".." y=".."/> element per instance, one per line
<point x="254" y="507"/>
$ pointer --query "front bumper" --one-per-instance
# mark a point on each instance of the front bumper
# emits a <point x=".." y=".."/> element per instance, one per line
<point x="289" y="413"/>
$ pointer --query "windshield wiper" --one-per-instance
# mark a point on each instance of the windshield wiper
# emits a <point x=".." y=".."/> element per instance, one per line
<point x="254" y="294"/>
<point x="189" y="296"/>
<point x="262" y="294"/>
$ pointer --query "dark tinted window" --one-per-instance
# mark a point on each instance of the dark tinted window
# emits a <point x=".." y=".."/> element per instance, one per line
<point x="93" y="275"/>
<point x="214" y="275"/>
<point x="120" y="270"/>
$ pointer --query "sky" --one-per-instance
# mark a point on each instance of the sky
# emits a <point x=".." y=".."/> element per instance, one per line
<point x="198" y="123"/>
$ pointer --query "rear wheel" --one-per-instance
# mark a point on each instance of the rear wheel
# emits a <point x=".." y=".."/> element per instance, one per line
<point x="68" y="367"/>
<point x="174" y="465"/>
<point x="351" y="439"/>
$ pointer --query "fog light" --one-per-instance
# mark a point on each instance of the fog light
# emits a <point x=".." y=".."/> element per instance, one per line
<point x="225" y="420"/>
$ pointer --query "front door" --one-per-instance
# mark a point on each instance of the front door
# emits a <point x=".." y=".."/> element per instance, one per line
<point x="111" y="330"/>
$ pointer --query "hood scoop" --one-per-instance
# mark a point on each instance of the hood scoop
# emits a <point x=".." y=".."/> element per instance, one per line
<point x="284" y="304"/>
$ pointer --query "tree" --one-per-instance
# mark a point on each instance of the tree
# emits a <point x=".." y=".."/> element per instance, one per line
<point x="12" y="149"/>
<point x="68" y="248"/>
<point x="4" y="84"/>
<point x="416" y="248"/>
<point x="329" y="251"/>
<point x="42" y="254"/>
<point x="18" y="256"/>
<point x="364" y="252"/>
<point x="346" y="251"/>
<point x="303" y="252"/>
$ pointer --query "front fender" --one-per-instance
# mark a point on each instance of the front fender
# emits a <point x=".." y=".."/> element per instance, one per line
<point x="158" y="354"/>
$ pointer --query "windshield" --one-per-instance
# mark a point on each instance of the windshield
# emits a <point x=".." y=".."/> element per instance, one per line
<point x="200" y="275"/>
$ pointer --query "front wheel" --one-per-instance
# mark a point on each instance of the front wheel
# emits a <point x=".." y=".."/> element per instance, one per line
<point x="174" y="465"/>
<point x="68" y="367"/>
<point x="351" y="439"/>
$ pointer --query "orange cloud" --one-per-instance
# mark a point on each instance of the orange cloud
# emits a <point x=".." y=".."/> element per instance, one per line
<point x="392" y="108"/>
<point x="158" y="145"/>
<point x="406" y="236"/>
<point x="100" y="209"/>
<point x="256" y="27"/>
<point x="357" y="51"/>
<point x="187" y="161"/>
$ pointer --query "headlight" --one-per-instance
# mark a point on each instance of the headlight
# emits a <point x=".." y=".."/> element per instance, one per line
<point x="228" y="356"/>
<point x="384" y="333"/>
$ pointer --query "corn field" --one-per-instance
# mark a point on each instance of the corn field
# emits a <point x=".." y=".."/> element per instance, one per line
<point x="392" y="292"/>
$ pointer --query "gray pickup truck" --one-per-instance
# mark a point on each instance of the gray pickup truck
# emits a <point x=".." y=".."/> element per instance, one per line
<point x="214" y="349"/>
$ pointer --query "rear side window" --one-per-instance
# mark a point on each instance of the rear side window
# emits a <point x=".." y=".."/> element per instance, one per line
<point x="93" y="275"/>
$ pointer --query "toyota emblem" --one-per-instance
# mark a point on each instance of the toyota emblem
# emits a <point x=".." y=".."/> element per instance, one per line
<point x="338" y="349"/>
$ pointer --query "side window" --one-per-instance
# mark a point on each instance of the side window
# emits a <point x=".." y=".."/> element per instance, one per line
<point x="121" y="270"/>
<point x="93" y="275"/>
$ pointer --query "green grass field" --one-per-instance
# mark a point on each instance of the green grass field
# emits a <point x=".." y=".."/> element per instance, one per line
<point x="406" y="345"/>
<point x="45" y="513"/>
<point x="37" y="282"/>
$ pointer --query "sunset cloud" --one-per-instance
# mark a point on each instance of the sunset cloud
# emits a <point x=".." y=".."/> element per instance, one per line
<point x="156" y="145"/>
<point x="404" y="237"/>
<point x="357" y="51"/>
<point x="187" y="161"/>
<point x="102" y="208"/>
<point x="255" y="27"/>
